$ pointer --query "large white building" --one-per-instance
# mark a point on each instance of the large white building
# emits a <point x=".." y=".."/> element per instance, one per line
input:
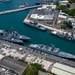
<point x="61" y="69"/>
<point x="64" y="2"/>
<point x="49" y="13"/>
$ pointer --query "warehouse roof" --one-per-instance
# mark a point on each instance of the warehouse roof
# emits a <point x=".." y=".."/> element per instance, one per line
<point x="43" y="17"/>
<point x="65" y="68"/>
<point x="13" y="64"/>
<point x="60" y="72"/>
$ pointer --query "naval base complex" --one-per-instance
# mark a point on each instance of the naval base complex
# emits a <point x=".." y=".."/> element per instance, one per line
<point x="30" y="55"/>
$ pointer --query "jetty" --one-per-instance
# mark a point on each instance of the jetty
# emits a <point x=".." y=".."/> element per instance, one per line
<point x="19" y="9"/>
<point x="48" y="27"/>
<point x="29" y="50"/>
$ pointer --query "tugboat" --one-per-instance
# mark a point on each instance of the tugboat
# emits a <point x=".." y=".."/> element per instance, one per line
<point x="64" y="35"/>
<point x="36" y="25"/>
<point x="52" y="50"/>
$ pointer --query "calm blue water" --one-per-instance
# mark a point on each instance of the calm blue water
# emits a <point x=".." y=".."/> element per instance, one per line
<point x="13" y="4"/>
<point x="16" y="20"/>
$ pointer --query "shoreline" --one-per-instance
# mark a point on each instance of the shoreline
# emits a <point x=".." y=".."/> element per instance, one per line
<point x="49" y="28"/>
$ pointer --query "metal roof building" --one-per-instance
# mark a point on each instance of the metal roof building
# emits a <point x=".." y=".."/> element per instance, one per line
<point x="61" y="69"/>
<point x="60" y="72"/>
<point x="14" y="65"/>
<point x="42" y="17"/>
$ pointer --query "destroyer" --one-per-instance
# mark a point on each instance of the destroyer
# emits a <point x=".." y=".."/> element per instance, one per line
<point x="8" y="37"/>
<point x="18" y="36"/>
<point x="35" y="25"/>
<point x="13" y="36"/>
<point x="63" y="35"/>
<point x="52" y="50"/>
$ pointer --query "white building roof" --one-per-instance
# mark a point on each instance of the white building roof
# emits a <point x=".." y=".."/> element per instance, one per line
<point x="65" y="1"/>
<point x="36" y="16"/>
<point x="52" y="6"/>
<point x="60" y="72"/>
<point x="44" y="17"/>
<point x="39" y="8"/>
<point x="62" y="16"/>
<point x="65" y="68"/>
<point x="62" y="13"/>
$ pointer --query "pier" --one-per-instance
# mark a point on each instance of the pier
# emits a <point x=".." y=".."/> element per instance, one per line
<point x="48" y="27"/>
<point x="37" y="53"/>
<point x="19" y="9"/>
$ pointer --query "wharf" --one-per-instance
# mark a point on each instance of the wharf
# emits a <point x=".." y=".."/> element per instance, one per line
<point x="20" y="9"/>
<point x="48" y="27"/>
<point x="38" y="53"/>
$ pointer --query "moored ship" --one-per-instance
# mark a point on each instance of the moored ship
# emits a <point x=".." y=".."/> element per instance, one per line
<point x="6" y="37"/>
<point x="52" y="50"/>
<point x="13" y="36"/>
<point x="63" y="35"/>
<point x="16" y="35"/>
<point x="35" y="25"/>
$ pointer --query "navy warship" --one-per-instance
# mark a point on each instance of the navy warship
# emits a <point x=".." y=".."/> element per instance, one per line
<point x="63" y="35"/>
<point x="36" y="25"/>
<point x="8" y="37"/>
<point x="13" y="36"/>
<point x="52" y="50"/>
<point x="16" y="35"/>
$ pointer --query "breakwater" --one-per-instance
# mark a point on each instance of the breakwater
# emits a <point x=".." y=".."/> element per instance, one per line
<point x="19" y="9"/>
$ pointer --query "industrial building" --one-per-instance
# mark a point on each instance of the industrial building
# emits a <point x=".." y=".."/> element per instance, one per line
<point x="64" y="2"/>
<point x="45" y="13"/>
<point x="14" y="65"/>
<point x="61" y="69"/>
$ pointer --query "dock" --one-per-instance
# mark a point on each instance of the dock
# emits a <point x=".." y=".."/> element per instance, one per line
<point x="48" y="27"/>
<point x="19" y="9"/>
<point x="38" y="54"/>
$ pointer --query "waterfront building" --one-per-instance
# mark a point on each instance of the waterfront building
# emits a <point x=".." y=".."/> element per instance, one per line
<point x="46" y="13"/>
<point x="61" y="69"/>
<point x="64" y="2"/>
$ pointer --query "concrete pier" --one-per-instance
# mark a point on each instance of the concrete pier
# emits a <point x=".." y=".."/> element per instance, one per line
<point x="20" y="9"/>
<point x="37" y="54"/>
<point x="48" y="27"/>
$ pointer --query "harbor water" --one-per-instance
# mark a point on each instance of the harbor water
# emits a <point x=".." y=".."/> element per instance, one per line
<point x="37" y="36"/>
